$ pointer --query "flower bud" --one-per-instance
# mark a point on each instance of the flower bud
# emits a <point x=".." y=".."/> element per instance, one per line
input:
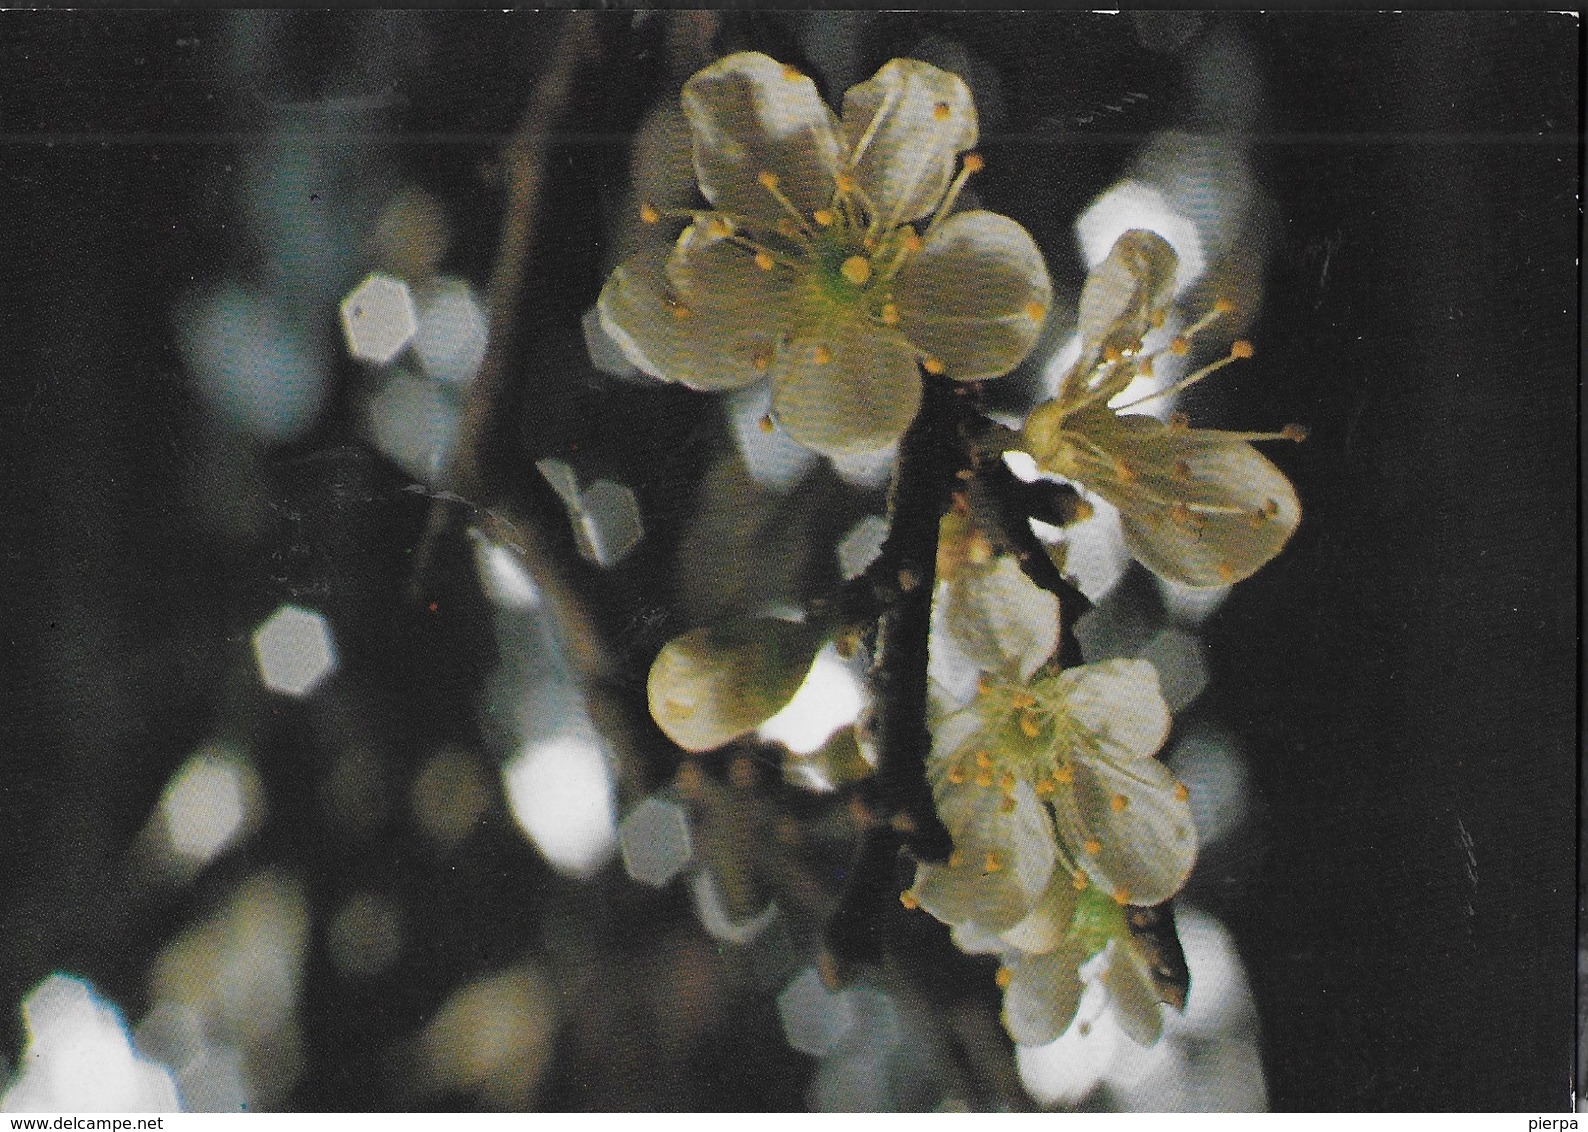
<point x="718" y="682"/>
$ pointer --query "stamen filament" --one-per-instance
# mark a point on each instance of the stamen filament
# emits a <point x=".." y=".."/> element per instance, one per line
<point x="770" y="184"/>
<point x="972" y="164"/>
<point x="1185" y="382"/>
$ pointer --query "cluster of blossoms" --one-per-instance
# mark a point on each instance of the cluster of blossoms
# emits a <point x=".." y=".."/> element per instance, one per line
<point x="833" y="263"/>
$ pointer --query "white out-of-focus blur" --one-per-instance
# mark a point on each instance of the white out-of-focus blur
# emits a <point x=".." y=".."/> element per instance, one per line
<point x="560" y="792"/>
<point x="80" y="1057"/>
<point x="213" y="800"/>
<point x="294" y="651"/>
<point x="830" y="698"/>
<point x="379" y="319"/>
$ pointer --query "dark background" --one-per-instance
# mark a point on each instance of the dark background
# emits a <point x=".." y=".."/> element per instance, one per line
<point x="1405" y="673"/>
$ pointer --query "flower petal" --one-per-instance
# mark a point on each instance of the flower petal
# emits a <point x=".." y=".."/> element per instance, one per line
<point x="975" y="296"/>
<point x="751" y="115"/>
<point x="1000" y="619"/>
<point x="1048" y="924"/>
<point x="1133" y="996"/>
<point x="713" y="273"/>
<point x="1042" y="998"/>
<point x="1018" y="845"/>
<point x="904" y="126"/>
<point x="668" y="338"/>
<point x="1119" y="302"/>
<point x="1125" y="824"/>
<point x="1201" y="509"/>
<point x="1120" y="703"/>
<point x="845" y="392"/>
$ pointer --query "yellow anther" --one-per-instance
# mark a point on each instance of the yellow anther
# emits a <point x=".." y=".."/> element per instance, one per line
<point x="761" y="359"/>
<point x="768" y="180"/>
<point x="824" y="217"/>
<point x="1181" y="514"/>
<point x="1296" y="432"/>
<point x="869" y="243"/>
<point x="1227" y="572"/>
<point x="1124" y="472"/>
<point x="978" y="549"/>
<point x="787" y="227"/>
<point x="908" y="899"/>
<point x="846" y="183"/>
<point x="765" y="423"/>
<point x="932" y="366"/>
<point x="983" y="685"/>
<point x="791" y="72"/>
<point x="984" y="778"/>
<point x="1036" y="311"/>
<point x="1029" y="726"/>
<point x="1144" y="366"/>
<point x="993" y="863"/>
<point x="1157" y="319"/>
<point x="1222" y="306"/>
<point x="1093" y="847"/>
<point x="983" y="759"/>
<point x="941" y="111"/>
<point x="648" y="214"/>
<point x="1079" y="882"/>
<point x="1112" y="353"/>
<point x="1118" y="802"/>
<point x="1179" y="422"/>
<point x="890" y="314"/>
<point x="1180" y="791"/>
<point x="1003" y="978"/>
<point x="956" y="859"/>
<point x="1007" y="805"/>
<point x="856" y="269"/>
<point x="719" y="227"/>
<point x="1006" y="783"/>
<point x="1064" y="775"/>
<point x="680" y="311"/>
<point x="1046" y="789"/>
<point x="1270" y="508"/>
<point x="903" y="823"/>
<point x="974" y="163"/>
<point x="1022" y="699"/>
<point x="1083" y="510"/>
<point x="822" y="355"/>
<point x="1180" y="347"/>
<point x="1241" y="348"/>
<point x="913" y="242"/>
<point x="1121" y="896"/>
<point x="956" y="774"/>
<point x="764" y="261"/>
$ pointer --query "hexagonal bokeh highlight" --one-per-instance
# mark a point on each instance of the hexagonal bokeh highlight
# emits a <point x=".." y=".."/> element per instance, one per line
<point x="294" y="651"/>
<point x="378" y="319"/>
<point x="654" y="841"/>
<point x="814" y="1018"/>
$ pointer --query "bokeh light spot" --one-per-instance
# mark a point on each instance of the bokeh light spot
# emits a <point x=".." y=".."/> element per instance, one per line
<point x="378" y="319"/>
<point x="654" y="839"/>
<point x="294" y="651"/>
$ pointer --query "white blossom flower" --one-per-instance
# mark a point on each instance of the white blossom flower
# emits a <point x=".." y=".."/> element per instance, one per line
<point x="1083" y="743"/>
<point x="1200" y="507"/>
<point x="831" y="261"/>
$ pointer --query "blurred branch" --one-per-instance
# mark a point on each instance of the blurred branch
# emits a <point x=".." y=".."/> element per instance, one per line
<point x="512" y="504"/>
